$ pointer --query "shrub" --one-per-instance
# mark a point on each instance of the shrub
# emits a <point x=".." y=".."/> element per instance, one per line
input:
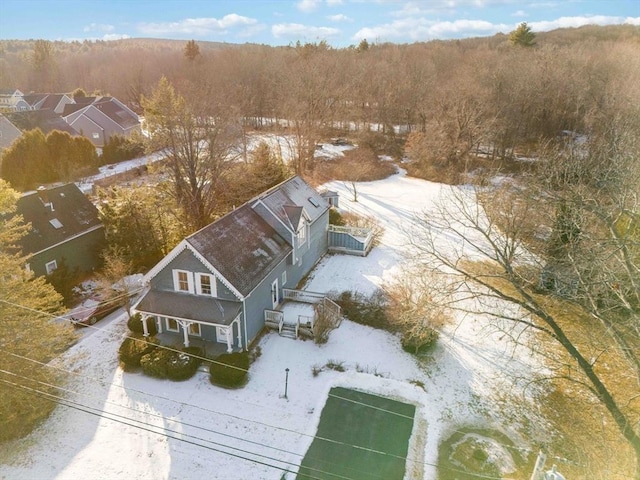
<point x="133" y="349"/>
<point x="135" y="324"/>
<point x="417" y="341"/>
<point x="230" y="370"/>
<point x="316" y="370"/>
<point x="335" y="218"/>
<point x="364" y="310"/>
<point x="155" y="363"/>
<point x="335" y="365"/>
<point x="183" y="365"/>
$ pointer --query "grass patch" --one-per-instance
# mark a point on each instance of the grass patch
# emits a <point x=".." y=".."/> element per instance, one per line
<point x="378" y="428"/>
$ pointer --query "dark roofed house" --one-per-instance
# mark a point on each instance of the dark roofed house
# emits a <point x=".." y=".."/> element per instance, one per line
<point x="64" y="226"/>
<point x="217" y="284"/>
<point x="101" y="119"/>
<point x="45" y="120"/>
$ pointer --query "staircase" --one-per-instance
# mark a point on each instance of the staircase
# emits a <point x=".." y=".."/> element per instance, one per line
<point x="289" y="331"/>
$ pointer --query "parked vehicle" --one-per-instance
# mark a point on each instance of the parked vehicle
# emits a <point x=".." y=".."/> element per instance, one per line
<point x="91" y="310"/>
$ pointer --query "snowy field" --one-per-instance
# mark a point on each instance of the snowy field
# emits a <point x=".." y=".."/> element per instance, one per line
<point x="133" y="427"/>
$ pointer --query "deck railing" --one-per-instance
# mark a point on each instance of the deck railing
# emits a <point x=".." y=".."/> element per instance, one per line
<point x="302" y="296"/>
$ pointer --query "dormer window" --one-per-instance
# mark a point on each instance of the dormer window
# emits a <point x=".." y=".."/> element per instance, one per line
<point x="206" y="284"/>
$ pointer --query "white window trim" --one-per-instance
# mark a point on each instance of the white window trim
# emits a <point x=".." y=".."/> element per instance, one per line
<point x="169" y="329"/>
<point x="176" y="281"/>
<point x="302" y="234"/>
<point x="284" y="278"/>
<point x="212" y="282"/>
<point x="51" y="266"/>
<point x="221" y="335"/>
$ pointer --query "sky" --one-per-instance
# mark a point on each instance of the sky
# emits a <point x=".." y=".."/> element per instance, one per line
<point x="339" y="22"/>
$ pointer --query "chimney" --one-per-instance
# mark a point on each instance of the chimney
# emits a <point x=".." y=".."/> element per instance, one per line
<point x="44" y="197"/>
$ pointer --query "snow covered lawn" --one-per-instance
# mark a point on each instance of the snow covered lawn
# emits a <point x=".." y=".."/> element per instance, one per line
<point x="121" y="425"/>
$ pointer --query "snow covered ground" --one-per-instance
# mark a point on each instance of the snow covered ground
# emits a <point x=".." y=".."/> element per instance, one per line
<point x="124" y="425"/>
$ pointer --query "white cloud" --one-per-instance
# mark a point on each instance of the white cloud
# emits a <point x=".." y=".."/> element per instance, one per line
<point x="339" y="18"/>
<point x="297" y="30"/>
<point x="416" y="29"/>
<point x="519" y="13"/>
<point x="98" y="27"/>
<point x="115" y="36"/>
<point x="308" y="5"/>
<point x="573" y="22"/>
<point x="333" y="3"/>
<point x="198" y="26"/>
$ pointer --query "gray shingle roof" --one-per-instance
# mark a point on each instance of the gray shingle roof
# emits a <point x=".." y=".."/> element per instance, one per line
<point x="242" y="247"/>
<point x="294" y="192"/>
<point x="72" y="214"/>
<point x="198" y="307"/>
<point x="45" y="120"/>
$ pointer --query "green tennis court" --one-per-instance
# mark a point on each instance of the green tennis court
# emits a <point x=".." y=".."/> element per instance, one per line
<point x="360" y="437"/>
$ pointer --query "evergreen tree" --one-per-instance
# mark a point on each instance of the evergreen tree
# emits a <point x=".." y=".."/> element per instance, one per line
<point x="191" y="50"/>
<point x="522" y="36"/>
<point x="29" y="335"/>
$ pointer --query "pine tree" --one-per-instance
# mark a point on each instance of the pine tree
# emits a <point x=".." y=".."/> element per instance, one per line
<point x="29" y="334"/>
<point x="522" y="36"/>
<point x="191" y="50"/>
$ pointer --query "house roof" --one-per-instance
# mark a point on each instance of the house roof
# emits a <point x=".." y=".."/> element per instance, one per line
<point x="52" y="100"/>
<point x="242" y="247"/>
<point x="8" y="132"/>
<point x="45" y="120"/>
<point x="116" y="113"/>
<point x="199" y="308"/>
<point x="294" y="192"/>
<point x="72" y="215"/>
<point x="34" y="98"/>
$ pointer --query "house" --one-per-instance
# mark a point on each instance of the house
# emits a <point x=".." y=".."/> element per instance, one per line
<point x="45" y="120"/>
<point x="217" y="283"/>
<point x="64" y="226"/>
<point x="101" y="119"/>
<point x="9" y="99"/>
<point x="8" y="133"/>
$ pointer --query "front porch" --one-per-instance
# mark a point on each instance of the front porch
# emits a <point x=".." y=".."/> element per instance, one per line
<point x="300" y="314"/>
<point x="211" y="349"/>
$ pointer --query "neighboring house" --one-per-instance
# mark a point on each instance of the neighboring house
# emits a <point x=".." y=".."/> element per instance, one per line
<point x="56" y="102"/>
<point x="8" y="133"/>
<point x="102" y="119"/>
<point x="9" y="99"/>
<point x="45" y="120"/>
<point x="64" y="226"/>
<point x="217" y="283"/>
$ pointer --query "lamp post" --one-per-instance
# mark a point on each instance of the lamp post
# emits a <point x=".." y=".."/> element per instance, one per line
<point x="286" y="381"/>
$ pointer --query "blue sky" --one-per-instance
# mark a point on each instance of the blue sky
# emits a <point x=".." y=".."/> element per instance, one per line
<point x="280" y="22"/>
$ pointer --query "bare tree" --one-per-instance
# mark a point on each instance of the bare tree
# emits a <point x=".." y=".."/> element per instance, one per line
<point x="199" y="141"/>
<point x="569" y="243"/>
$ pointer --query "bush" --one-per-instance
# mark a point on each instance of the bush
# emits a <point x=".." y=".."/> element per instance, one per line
<point x="135" y="324"/>
<point x="230" y="370"/>
<point x="155" y="363"/>
<point x="184" y="365"/>
<point x="133" y="349"/>
<point x="335" y="218"/>
<point x="413" y="342"/>
<point x="364" y="310"/>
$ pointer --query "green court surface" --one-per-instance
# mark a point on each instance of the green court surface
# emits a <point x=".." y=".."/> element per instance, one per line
<point x="360" y="437"/>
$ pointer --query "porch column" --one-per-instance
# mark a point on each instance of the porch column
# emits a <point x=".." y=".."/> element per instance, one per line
<point x="145" y="330"/>
<point x="185" y="332"/>
<point x="237" y="320"/>
<point x="229" y="338"/>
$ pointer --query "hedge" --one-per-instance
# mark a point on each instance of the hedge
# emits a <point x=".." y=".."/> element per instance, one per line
<point x="171" y="364"/>
<point x="230" y="370"/>
<point x="133" y="349"/>
<point x="135" y="324"/>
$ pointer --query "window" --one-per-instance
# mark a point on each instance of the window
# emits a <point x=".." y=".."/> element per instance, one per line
<point x="302" y="234"/>
<point x="172" y="325"/>
<point x="182" y="281"/>
<point x="51" y="266"/>
<point x="206" y="284"/>
<point x="284" y="277"/>
<point x="194" y="329"/>
<point x="96" y="136"/>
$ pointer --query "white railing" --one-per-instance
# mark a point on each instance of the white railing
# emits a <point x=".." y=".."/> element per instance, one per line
<point x="302" y="296"/>
<point x="361" y="232"/>
<point x="273" y="318"/>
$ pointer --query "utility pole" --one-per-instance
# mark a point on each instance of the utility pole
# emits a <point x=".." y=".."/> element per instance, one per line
<point x="538" y="469"/>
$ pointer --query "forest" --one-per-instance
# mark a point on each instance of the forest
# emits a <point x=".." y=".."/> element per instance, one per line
<point x="560" y="111"/>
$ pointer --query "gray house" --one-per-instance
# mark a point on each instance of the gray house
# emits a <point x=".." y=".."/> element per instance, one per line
<point x="217" y="283"/>
<point x="64" y="227"/>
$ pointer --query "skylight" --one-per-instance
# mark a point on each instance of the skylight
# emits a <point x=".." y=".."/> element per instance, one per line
<point x="313" y="202"/>
<point x="56" y="223"/>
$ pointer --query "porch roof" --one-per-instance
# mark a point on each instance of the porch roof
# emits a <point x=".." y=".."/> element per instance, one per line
<point x="189" y="307"/>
